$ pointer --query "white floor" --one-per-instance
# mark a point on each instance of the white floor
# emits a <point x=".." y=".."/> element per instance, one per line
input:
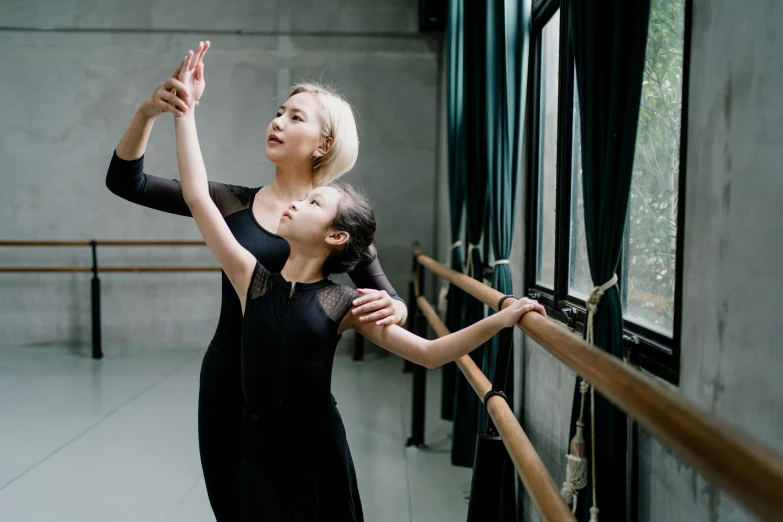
<point x="115" y="440"/>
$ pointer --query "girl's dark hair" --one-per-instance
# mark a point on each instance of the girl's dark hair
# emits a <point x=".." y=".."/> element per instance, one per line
<point x="354" y="216"/>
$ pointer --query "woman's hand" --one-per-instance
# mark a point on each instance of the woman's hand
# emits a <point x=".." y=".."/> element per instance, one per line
<point x="512" y="314"/>
<point x="378" y="306"/>
<point x="191" y="74"/>
<point x="165" y="99"/>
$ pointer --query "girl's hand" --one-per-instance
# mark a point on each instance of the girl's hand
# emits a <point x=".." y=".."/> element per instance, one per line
<point x="378" y="306"/>
<point x="191" y="74"/>
<point x="512" y="314"/>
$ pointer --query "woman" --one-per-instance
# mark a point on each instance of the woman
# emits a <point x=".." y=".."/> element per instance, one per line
<point x="252" y="215"/>
<point x="296" y="465"/>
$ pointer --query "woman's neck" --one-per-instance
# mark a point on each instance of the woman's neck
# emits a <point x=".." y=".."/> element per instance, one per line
<point x="303" y="268"/>
<point x="291" y="184"/>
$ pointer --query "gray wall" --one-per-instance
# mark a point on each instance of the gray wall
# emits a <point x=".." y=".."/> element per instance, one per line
<point x="731" y="355"/>
<point x="68" y="96"/>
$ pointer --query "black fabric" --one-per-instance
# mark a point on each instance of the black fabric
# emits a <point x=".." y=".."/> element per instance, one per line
<point x="219" y="425"/>
<point x="372" y="276"/>
<point x="308" y="477"/>
<point x="293" y="435"/>
<point x="258" y="499"/>
<point x="128" y="180"/>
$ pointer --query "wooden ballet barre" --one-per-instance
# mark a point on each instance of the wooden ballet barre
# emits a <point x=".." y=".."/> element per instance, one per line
<point x="43" y="269"/>
<point x="95" y="297"/>
<point x="151" y="243"/>
<point x="139" y="269"/>
<point x="538" y="482"/>
<point x="105" y="243"/>
<point x="747" y="470"/>
<point x="43" y="243"/>
<point x="115" y="269"/>
<point x="113" y="243"/>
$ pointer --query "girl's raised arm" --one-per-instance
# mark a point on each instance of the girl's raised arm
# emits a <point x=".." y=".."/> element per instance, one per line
<point x="236" y="261"/>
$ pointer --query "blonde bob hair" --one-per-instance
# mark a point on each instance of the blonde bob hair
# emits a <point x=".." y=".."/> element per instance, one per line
<point x="339" y="124"/>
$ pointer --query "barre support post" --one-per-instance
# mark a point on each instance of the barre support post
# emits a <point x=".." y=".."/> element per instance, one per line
<point x="407" y="366"/>
<point x="419" y="395"/>
<point x="419" y="390"/>
<point x="97" y="348"/>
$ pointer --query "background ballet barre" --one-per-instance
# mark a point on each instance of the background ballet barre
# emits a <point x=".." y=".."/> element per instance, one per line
<point x="97" y="350"/>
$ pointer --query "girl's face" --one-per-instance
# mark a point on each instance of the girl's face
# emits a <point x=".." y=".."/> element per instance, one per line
<point x="308" y="223"/>
<point x="294" y="136"/>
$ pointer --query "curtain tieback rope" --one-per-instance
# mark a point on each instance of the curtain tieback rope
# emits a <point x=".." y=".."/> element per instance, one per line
<point x="469" y="267"/>
<point x="497" y="262"/>
<point x="576" y="469"/>
<point x="444" y="289"/>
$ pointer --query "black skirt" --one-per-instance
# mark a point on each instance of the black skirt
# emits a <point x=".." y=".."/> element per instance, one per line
<point x="297" y="471"/>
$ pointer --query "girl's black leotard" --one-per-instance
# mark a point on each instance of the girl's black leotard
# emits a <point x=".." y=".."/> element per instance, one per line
<point x="296" y="465"/>
<point x="220" y="393"/>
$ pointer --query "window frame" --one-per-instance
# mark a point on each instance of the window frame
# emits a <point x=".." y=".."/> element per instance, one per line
<point x="651" y="350"/>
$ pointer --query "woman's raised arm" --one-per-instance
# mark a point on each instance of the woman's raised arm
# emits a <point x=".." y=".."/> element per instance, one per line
<point x="126" y="177"/>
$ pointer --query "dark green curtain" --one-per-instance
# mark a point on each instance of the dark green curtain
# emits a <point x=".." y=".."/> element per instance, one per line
<point x="608" y="39"/>
<point x="466" y="404"/>
<point x="507" y="38"/>
<point x="507" y="53"/>
<point x="455" y="313"/>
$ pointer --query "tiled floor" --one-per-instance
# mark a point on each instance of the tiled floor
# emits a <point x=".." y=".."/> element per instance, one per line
<point x="115" y="440"/>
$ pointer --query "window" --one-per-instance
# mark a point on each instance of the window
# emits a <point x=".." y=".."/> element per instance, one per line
<point x="547" y="152"/>
<point x="580" y="283"/>
<point x="649" y="266"/>
<point x="654" y="190"/>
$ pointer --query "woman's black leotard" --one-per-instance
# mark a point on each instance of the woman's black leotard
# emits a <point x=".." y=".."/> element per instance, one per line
<point x="220" y="393"/>
<point x="296" y="465"/>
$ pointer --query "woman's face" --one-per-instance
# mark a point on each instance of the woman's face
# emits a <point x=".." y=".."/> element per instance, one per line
<point x="309" y="222"/>
<point x="294" y="135"/>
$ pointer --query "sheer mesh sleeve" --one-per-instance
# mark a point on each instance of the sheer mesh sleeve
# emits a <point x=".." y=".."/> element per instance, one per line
<point x="371" y="276"/>
<point x="336" y="300"/>
<point x="260" y="282"/>
<point x="127" y="180"/>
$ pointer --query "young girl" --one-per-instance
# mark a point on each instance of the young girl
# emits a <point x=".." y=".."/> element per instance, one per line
<point x="252" y="215"/>
<point x="296" y="465"/>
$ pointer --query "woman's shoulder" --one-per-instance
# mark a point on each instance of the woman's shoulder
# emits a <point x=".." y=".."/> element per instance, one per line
<point x="229" y="198"/>
<point x="239" y="195"/>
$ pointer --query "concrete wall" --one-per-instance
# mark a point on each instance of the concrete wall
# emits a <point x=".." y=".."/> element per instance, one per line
<point x="67" y="97"/>
<point x="731" y="355"/>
